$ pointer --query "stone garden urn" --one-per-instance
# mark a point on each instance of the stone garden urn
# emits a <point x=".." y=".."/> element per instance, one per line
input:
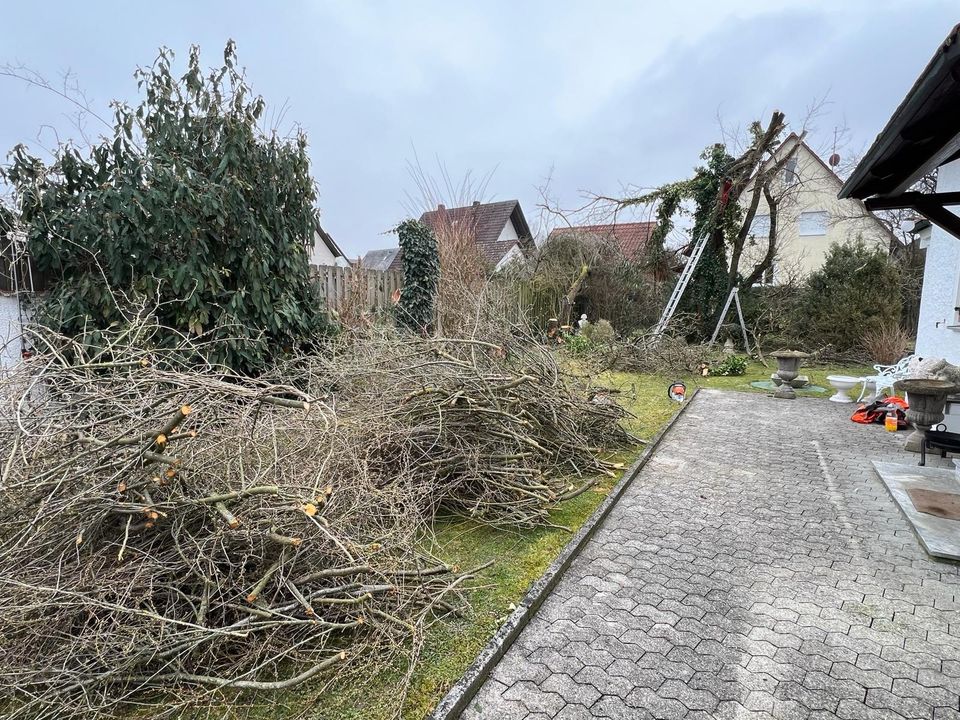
<point x="788" y="367"/>
<point x="927" y="399"/>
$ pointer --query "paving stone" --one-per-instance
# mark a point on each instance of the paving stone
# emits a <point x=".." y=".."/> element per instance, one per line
<point x="908" y="707"/>
<point x="570" y="690"/>
<point x="746" y="573"/>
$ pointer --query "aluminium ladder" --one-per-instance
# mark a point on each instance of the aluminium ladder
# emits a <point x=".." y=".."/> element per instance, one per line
<point x="681" y="286"/>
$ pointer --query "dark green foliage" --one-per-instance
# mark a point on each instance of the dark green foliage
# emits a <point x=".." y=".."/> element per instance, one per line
<point x="421" y="274"/>
<point x="189" y="206"/>
<point x="734" y="365"/>
<point x="705" y="294"/>
<point x="857" y="290"/>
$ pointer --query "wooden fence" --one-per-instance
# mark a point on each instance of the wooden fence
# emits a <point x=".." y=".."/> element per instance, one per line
<point x="522" y="304"/>
<point x="355" y="290"/>
<point x="348" y="288"/>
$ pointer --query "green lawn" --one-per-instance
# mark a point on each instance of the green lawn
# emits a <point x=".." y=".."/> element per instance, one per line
<point x="520" y="558"/>
<point x="646" y="395"/>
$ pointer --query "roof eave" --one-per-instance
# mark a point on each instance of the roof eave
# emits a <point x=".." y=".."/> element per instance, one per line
<point x="943" y="68"/>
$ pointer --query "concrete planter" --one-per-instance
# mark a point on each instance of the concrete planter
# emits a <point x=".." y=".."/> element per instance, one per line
<point x="927" y="399"/>
<point x="788" y="368"/>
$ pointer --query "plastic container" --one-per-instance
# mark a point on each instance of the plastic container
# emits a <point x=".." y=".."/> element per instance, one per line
<point x="890" y="421"/>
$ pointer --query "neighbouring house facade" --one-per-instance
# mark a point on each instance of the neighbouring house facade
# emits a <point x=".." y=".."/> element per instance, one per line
<point x="499" y="230"/>
<point x="325" y="251"/>
<point x="923" y="136"/>
<point x="810" y="216"/>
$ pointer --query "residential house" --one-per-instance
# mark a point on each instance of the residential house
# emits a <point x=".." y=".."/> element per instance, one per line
<point x="810" y="217"/>
<point x="923" y="136"/>
<point x="630" y="237"/>
<point x="325" y="250"/>
<point x="499" y="230"/>
<point x="379" y="259"/>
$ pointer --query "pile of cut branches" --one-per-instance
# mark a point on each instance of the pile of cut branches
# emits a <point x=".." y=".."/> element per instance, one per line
<point x="664" y="355"/>
<point x="494" y="428"/>
<point x="177" y="529"/>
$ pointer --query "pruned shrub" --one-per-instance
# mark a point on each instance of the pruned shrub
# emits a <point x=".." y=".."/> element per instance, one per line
<point x="601" y="332"/>
<point x="886" y="344"/>
<point x="575" y="273"/>
<point x="771" y="316"/>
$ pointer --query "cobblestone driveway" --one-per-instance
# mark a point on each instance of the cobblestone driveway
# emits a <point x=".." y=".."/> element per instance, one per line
<point x="757" y="568"/>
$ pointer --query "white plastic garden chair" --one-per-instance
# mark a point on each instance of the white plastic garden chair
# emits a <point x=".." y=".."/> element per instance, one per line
<point x="886" y="376"/>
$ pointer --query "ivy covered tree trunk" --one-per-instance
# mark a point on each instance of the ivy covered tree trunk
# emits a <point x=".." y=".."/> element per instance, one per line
<point x="189" y="208"/>
<point x="421" y="275"/>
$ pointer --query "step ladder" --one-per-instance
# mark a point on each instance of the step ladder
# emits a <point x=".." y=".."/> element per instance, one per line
<point x="681" y="286"/>
<point x="733" y="297"/>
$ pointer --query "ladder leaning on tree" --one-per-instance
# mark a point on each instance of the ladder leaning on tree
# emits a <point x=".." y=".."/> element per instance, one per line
<point x="681" y="285"/>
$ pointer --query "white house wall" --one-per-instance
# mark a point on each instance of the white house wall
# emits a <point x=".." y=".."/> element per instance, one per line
<point x="514" y="253"/>
<point x="509" y="232"/>
<point x="321" y="255"/>
<point x="938" y="332"/>
<point x="9" y="331"/>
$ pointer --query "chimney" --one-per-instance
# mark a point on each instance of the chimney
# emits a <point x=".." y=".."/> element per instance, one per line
<point x="476" y="203"/>
<point x="441" y="207"/>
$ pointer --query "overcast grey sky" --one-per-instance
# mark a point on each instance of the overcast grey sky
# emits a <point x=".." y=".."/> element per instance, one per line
<point x="599" y="94"/>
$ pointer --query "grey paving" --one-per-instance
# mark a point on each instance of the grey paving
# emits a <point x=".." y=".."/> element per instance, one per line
<point x="756" y="569"/>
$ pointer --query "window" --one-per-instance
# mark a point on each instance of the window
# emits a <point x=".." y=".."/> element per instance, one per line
<point x="813" y="223"/>
<point x="760" y="227"/>
<point x="790" y="171"/>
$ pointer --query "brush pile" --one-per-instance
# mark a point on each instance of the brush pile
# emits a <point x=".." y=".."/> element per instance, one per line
<point x="171" y="531"/>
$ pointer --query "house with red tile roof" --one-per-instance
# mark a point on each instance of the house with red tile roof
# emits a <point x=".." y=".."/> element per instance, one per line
<point x="631" y="238"/>
<point x="499" y="230"/>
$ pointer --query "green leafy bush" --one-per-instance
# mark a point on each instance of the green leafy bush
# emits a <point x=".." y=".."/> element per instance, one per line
<point x="579" y="344"/>
<point x="733" y="365"/>
<point x="189" y="207"/>
<point x="856" y="291"/>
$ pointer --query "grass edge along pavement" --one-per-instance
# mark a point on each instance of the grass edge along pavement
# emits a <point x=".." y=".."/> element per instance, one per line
<point x="464" y="690"/>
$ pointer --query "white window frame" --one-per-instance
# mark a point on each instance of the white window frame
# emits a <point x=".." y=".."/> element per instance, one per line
<point x="812" y="216"/>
